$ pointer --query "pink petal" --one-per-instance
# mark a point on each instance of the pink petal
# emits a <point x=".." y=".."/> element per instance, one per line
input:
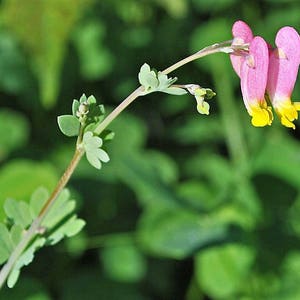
<point x="254" y="72"/>
<point x="242" y="34"/>
<point x="284" y="64"/>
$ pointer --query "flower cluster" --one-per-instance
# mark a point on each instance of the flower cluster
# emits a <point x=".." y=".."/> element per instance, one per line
<point x="267" y="74"/>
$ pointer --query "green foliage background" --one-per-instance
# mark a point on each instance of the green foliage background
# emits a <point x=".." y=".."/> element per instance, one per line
<point x="190" y="206"/>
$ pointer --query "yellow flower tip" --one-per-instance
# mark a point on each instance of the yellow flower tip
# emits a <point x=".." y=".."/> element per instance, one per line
<point x="261" y="116"/>
<point x="203" y="108"/>
<point x="288" y="112"/>
<point x="285" y="122"/>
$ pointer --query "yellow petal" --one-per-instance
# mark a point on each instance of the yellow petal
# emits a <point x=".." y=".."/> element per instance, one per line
<point x="261" y="116"/>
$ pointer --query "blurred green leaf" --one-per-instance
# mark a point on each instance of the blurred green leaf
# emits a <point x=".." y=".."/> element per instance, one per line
<point x="14" y="75"/>
<point x="14" y="131"/>
<point x="208" y="33"/>
<point x="27" y="289"/>
<point x="220" y="270"/>
<point x="177" y="233"/>
<point x="96" y="61"/>
<point x="28" y="176"/>
<point x="123" y="263"/>
<point x="279" y="156"/>
<point x="215" y="5"/>
<point x="43" y="28"/>
<point x="197" y="129"/>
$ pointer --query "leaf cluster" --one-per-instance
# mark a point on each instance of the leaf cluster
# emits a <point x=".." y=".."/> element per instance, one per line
<point x="86" y="114"/>
<point x="154" y="81"/>
<point x="59" y="223"/>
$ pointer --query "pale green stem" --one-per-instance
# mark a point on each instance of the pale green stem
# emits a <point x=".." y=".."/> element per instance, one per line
<point x="34" y="228"/>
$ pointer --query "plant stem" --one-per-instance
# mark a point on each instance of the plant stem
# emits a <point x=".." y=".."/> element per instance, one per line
<point x="220" y="47"/>
<point x="33" y="229"/>
<point x="135" y="94"/>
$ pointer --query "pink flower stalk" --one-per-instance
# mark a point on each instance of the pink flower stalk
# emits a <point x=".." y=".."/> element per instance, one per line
<point x="282" y="75"/>
<point x="253" y="74"/>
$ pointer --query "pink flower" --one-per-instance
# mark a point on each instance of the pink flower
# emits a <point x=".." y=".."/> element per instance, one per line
<point x="252" y="68"/>
<point x="264" y="70"/>
<point x="254" y="73"/>
<point x="282" y="75"/>
<point x="242" y="34"/>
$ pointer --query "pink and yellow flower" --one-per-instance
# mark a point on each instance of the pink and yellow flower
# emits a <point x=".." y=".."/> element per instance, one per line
<point x="282" y="75"/>
<point x="254" y="74"/>
<point x="264" y="70"/>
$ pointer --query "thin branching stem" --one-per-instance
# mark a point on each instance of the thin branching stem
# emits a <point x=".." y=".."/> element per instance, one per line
<point x="34" y="228"/>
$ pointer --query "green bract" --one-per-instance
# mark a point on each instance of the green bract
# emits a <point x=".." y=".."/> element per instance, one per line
<point x="153" y="81"/>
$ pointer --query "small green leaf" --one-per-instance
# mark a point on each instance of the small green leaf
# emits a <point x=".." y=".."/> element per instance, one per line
<point x="18" y="211"/>
<point x="75" y="106"/>
<point x="13" y="277"/>
<point x="94" y="153"/>
<point x="83" y="98"/>
<point x="69" y="125"/>
<point x="148" y="78"/>
<point x="68" y="229"/>
<point x="6" y="245"/>
<point x="91" y="100"/>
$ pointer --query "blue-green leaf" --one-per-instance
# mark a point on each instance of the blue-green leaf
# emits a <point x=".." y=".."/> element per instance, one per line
<point x="69" y="125"/>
